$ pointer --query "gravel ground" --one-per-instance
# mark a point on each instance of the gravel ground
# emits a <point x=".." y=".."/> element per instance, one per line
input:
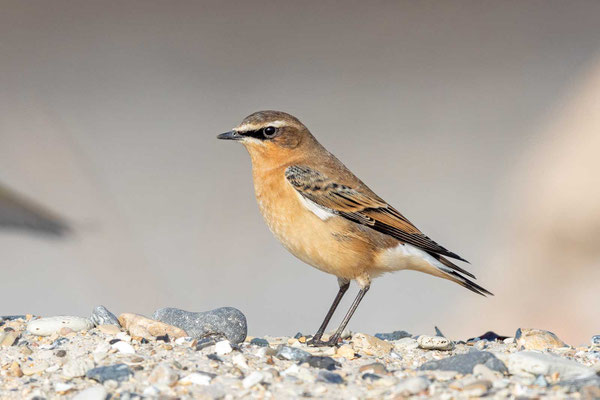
<point x="107" y="362"/>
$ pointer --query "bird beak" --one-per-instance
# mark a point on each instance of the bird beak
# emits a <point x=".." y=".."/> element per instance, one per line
<point x="231" y="135"/>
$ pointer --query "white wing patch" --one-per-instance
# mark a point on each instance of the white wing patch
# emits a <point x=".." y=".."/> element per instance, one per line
<point x="322" y="212"/>
<point x="407" y="256"/>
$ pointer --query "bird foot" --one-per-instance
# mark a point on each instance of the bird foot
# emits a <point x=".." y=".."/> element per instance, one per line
<point x="333" y="341"/>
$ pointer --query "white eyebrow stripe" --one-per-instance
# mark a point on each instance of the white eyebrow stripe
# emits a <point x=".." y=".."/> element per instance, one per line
<point x="255" y="127"/>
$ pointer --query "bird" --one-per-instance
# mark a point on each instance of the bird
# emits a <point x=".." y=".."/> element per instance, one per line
<point x="328" y="218"/>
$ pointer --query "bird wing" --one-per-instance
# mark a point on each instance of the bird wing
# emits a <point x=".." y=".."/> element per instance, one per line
<point x="360" y="207"/>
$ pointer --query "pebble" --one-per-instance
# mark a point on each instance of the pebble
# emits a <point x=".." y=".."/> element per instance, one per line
<point x="464" y="363"/>
<point x="15" y="370"/>
<point x="537" y="339"/>
<point x="140" y="326"/>
<point x="477" y="388"/>
<point x="224" y="322"/>
<point x="62" y="388"/>
<point x="259" y="342"/>
<point x="101" y="316"/>
<point x="163" y="375"/>
<point x="223" y="347"/>
<point x="109" y="329"/>
<point x="49" y="325"/>
<point x="117" y="372"/>
<point x="323" y="362"/>
<point x="9" y="338"/>
<point x="434" y="343"/>
<point x="254" y="378"/>
<point x="97" y="392"/>
<point x="371" y="345"/>
<point x="396" y="335"/>
<point x="595" y="340"/>
<point x="329" y="377"/>
<point x="123" y="347"/>
<point x="412" y="385"/>
<point x="292" y="353"/>
<point x="406" y="344"/>
<point x="346" y="351"/>
<point x="530" y="363"/>
<point x="196" y="379"/>
<point x="375" y="368"/>
<point x="76" y="367"/>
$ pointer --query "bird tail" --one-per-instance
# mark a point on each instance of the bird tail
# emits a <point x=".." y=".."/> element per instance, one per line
<point x="454" y="273"/>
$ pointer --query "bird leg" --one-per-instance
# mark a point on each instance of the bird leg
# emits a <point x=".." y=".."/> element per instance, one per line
<point x="316" y="340"/>
<point x="333" y="340"/>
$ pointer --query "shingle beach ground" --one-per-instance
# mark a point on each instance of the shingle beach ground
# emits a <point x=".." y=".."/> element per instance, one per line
<point x="130" y="362"/>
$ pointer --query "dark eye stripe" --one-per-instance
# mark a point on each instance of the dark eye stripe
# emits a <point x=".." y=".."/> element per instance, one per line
<point x="258" y="134"/>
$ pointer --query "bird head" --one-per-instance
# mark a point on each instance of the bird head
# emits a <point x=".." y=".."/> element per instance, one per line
<point x="269" y="134"/>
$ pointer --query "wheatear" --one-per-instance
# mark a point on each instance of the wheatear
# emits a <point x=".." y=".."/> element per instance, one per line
<point x="328" y="218"/>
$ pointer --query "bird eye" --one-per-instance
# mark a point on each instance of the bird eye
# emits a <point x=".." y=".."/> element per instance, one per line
<point x="269" y="132"/>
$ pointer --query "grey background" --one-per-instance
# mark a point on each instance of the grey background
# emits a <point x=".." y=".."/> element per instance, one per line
<point x="109" y="112"/>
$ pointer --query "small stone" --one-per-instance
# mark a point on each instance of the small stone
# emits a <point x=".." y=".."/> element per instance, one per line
<point x="65" y="331"/>
<point x="396" y="335"/>
<point x="224" y="322"/>
<point x="109" y="329"/>
<point x="196" y="379"/>
<point x="541" y="381"/>
<point x="490" y="337"/>
<point x="240" y="361"/>
<point x="204" y="343"/>
<point x="329" y="377"/>
<point x="412" y="385"/>
<point x="537" y="339"/>
<point x="49" y="325"/>
<point x="406" y="344"/>
<point x="123" y="347"/>
<point x="292" y="353"/>
<point x="15" y="370"/>
<point x="595" y="340"/>
<point x="61" y="353"/>
<point x="117" y="372"/>
<point x="370" y="345"/>
<point x="477" y="388"/>
<point x="533" y="363"/>
<point x="140" y="326"/>
<point x="434" y="343"/>
<point x="370" y="377"/>
<point x="35" y="368"/>
<point x="162" y="374"/>
<point x="253" y="379"/>
<point x="62" y="388"/>
<point x="374" y="368"/>
<point x="77" y="367"/>
<point x="7" y="339"/>
<point x="346" y="351"/>
<point x="101" y="316"/>
<point x="323" y="362"/>
<point x="97" y="392"/>
<point x="464" y="363"/>
<point x="223" y="347"/>
<point x="259" y="342"/>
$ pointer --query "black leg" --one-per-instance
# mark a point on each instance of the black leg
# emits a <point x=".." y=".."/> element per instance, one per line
<point x="336" y="336"/>
<point x="316" y="340"/>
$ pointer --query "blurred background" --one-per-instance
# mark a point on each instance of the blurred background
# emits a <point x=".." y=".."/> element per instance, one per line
<point x="479" y="120"/>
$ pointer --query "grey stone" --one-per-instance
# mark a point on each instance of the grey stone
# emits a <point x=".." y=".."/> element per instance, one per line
<point x="101" y="316"/>
<point x="224" y="322"/>
<point x="259" y="342"/>
<point x="396" y="335"/>
<point x="578" y="384"/>
<point x="533" y="363"/>
<point x="464" y="363"/>
<point x="117" y="372"/>
<point x="371" y="377"/>
<point x="323" y="362"/>
<point x="292" y="353"/>
<point x="329" y="377"/>
<point x="540" y="381"/>
<point x="596" y="340"/>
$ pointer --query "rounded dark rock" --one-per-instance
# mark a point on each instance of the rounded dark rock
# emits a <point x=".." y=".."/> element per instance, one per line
<point x="101" y="316"/>
<point x="225" y="322"/>
<point x="117" y="372"/>
<point x="464" y="363"/>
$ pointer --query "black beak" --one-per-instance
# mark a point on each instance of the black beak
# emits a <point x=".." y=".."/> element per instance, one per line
<point x="231" y="135"/>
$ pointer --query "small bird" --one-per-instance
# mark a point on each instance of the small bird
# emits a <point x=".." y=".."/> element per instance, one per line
<point x="328" y="218"/>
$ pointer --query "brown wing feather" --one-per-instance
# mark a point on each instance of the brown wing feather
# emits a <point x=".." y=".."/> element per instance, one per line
<point x="366" y="209"/>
